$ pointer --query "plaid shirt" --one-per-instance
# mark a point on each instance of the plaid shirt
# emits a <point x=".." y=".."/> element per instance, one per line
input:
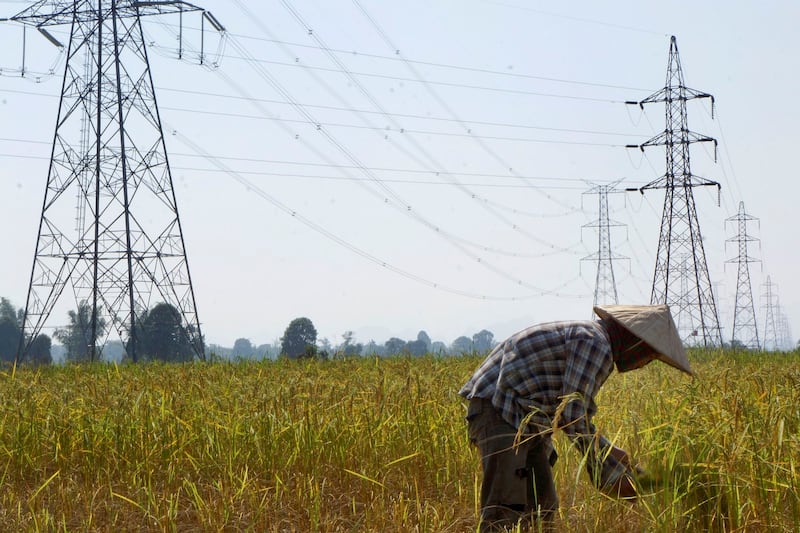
<point x="530" y="376"/>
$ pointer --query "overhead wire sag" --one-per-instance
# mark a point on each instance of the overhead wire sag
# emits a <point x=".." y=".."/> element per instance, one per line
<point x="358" y="251"/>
<point x="429" y="157"/>
<point x="444" y="104"/>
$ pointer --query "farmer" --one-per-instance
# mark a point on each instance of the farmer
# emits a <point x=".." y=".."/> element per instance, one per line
<point x="545" y="378"/>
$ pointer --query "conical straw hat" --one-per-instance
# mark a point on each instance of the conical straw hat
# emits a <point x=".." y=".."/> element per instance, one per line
<point x="654" y="325"/>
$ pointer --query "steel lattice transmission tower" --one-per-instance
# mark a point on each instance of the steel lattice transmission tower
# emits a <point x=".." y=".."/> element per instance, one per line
<point x="770" y="326"/>
<point x="745" y="328"/>
<point x="691" y="300"/>
<point x="785" y="332"/>
<point x="605" y="289"/>
<point x="123" y="249"/>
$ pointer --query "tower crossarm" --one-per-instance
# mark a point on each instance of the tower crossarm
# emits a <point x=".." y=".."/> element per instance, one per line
<point x="670" y="94"/>
<point x="58" y="12"/>
<point x="743" y="259"/>
<point x="674" y="89"/>
<point x="666" y="182"/>
<point x="667" y="138"/>
<point x="743" y="238"/>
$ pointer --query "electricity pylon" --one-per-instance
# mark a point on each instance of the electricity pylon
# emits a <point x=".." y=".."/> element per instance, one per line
<point x="770" y="326"/>
<point x="605" y="288"/>
<point x="691" y="300"/>
<point x="785" y="332"/>
<point x="123" y="249"/>
<point x="745" y="328"/>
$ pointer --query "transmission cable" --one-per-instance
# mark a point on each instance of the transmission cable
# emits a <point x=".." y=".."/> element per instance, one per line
<point x="402" y="115"/>
<point x="404" y="131"/>
<point x="421" y="149"/>
<point x="250" y="186"/>
<point x="464" y="68"/>
<point x="347" y="178"/>
<point x="442" y="102"/>
<point x="399" y="203"/>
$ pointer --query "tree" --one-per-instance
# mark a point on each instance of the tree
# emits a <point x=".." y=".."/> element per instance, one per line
<point x="162" y="335"/>
<point x="417" y="348"/>
<point x="9" y="331"/>
<point x="373" y="348"/>
<point x="7" y="311"/>
<point x="462" y="345"/>
<point x="9" y="340"/>
<point x="438" y="348"/>
<point x="243" y="348"/>
<point x="299" y="339"/>
<point x="395" y="346"/>
<point x="423" y="336"/>
<point x="325" y="345"/>
<point x="483" y="341"/>
<point x="349" y="347"/>
<point x="77" y="336"/>
<point x="268" y="351"/>
<point x="39" y="351"/>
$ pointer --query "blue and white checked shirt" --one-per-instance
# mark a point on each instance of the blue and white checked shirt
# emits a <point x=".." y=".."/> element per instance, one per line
<point x="530" y="374"/>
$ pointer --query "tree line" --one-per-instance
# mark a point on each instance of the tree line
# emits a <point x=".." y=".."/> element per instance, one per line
<point x="300" y="340"/>
<point x="162" y="336"/>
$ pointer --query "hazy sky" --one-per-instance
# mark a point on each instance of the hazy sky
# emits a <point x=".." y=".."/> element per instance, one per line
<point x="387" y="167"/>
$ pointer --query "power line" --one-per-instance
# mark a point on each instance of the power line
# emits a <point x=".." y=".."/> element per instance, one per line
<point x="398" y="202"/>
<point x="441" y="101"/>
<point x="406" y="115"/>
<point x="539" y="240"/>
<point x="353" y="178"/>
<point x="395" y="201"/>
<point x="487" y="88"/>
<point x="366" y="255"/>
<point x="445" y="65"/>
<point x="450" y="66"/>
<point x="385" y="130"/>
<point x="382" y="113"/>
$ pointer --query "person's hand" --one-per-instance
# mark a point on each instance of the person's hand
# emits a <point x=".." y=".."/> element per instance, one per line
<point x="624" y="488"/>
<point x="622" y="456"/>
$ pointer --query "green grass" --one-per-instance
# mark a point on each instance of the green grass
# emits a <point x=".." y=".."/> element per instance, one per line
<point x="376" y="445"/>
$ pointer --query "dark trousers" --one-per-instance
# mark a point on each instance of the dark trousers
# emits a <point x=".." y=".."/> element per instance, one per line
<point x="517" y="481"/>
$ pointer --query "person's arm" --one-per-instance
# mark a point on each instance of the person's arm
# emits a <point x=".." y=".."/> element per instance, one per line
<point x="589" y="363"/>
<point x="609" y="467"/>
<point x="623" y="486"/>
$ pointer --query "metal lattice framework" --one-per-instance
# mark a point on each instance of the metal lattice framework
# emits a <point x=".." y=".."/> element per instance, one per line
<point x="122" y="250"/>
<point x="771" y="310"/>
<point x="745" y="327"/>
<point x="691" y="299"/>
<point x="784" y="331"/>
<point x="605" y="289"/>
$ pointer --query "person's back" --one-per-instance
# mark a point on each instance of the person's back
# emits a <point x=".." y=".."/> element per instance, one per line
<point x="545" y="378"/>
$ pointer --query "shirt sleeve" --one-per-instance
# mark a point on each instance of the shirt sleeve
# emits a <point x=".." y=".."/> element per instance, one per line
<point x="589" y="364"/>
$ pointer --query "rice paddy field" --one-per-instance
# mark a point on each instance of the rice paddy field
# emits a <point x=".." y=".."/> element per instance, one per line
<point x="377" y="445"/>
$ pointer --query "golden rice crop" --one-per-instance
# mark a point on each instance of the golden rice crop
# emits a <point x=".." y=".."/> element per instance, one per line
<point x="376" y="445"/>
